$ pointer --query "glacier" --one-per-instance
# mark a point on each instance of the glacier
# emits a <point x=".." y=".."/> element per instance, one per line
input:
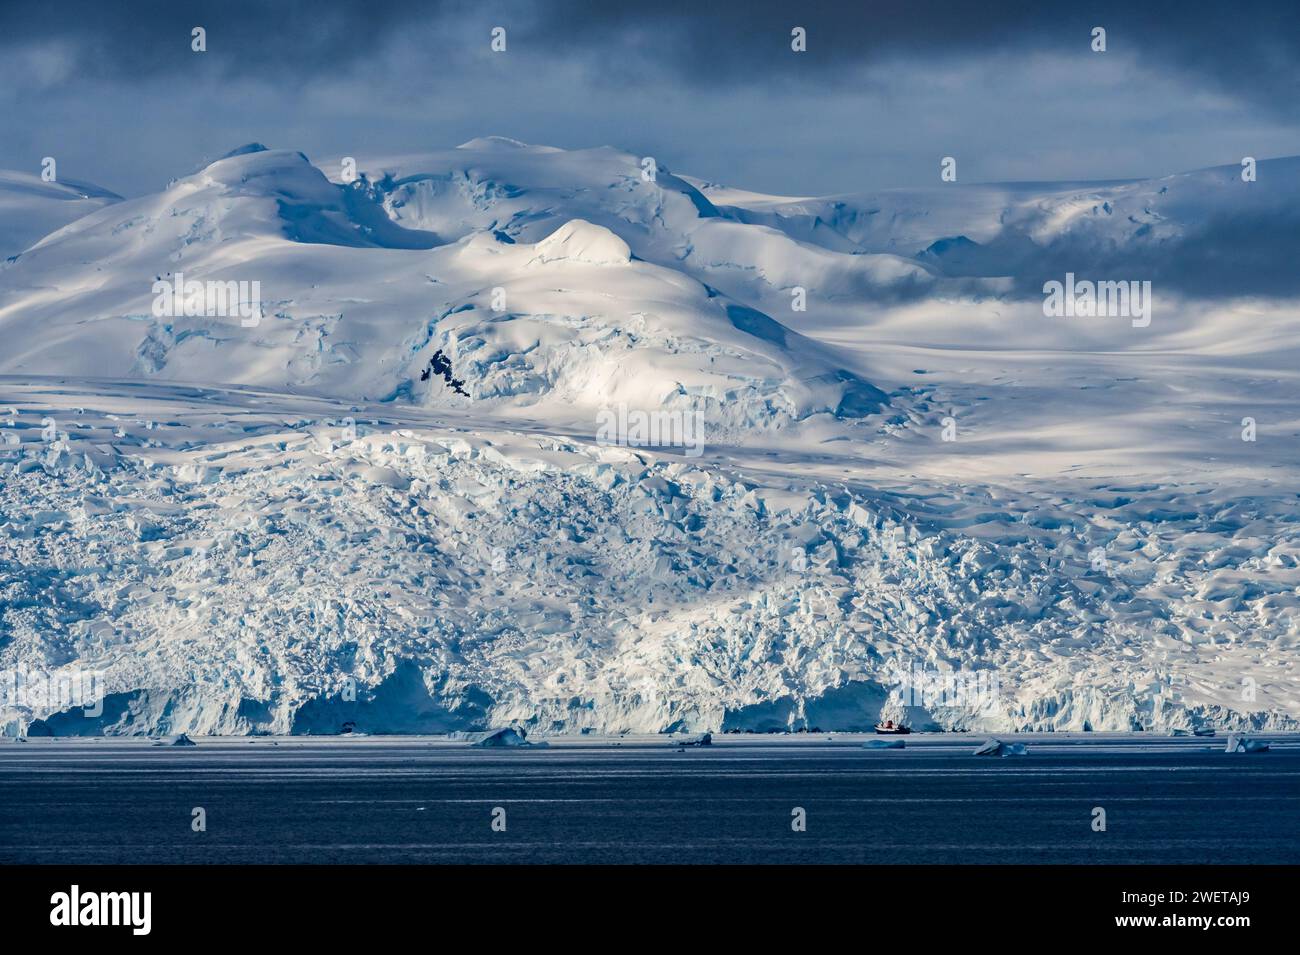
<point x="384" y="503"/>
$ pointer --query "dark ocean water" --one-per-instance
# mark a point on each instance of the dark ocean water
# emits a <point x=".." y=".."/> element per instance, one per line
<point x="417" y="801"/>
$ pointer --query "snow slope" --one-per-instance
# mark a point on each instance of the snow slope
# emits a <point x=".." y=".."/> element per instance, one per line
<point x="385" y="502"/>
<point x="31" y="208"/>
<point x="1206" y="232"/>
<point x="356" y="306"/>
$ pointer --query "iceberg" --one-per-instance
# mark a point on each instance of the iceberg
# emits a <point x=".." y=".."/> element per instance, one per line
<point x="510" y="736"/>
<point x="1244" y="744"/>
<point x="995" y="747"/>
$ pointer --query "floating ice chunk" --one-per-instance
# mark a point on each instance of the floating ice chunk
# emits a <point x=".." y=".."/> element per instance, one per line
<point x="510" y="736"/>
<point x="180" y="739"/>
<point x="1244" y="744"/>
<point x="995" y="747"/>
<point x="703" y="739"/>
<point x="884" y="744"/>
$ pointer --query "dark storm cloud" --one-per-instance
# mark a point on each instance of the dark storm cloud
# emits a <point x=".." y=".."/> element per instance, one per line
<point x="140" y="39"/>
<point x="1248" y="49"/>
<point x="887" y="87"/>
<point x="1251" y="50"/>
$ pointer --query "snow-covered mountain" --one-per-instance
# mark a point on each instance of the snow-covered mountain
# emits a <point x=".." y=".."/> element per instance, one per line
<point x="355" y="304"/>
<point x="384" y="494"/>
<point x="1208" y="232"/>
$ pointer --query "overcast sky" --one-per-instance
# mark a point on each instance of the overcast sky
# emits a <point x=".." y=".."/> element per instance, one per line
<point x="711" y="89"/>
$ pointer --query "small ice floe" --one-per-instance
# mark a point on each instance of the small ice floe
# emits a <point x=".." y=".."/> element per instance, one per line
<point x="884" y="744"/>
<point x="995" y="747"/>
<point x="510" y="736"/>
<point x="703" y="739"/>
<point x="180" y="739"/>
<point x="1203" y="731"/>
<point x="1244" y="744"/>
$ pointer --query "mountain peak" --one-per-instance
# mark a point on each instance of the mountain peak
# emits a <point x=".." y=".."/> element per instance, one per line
<point x="502" y="143"/>
<point x="244" y="150"/>
<point x="581" y="241"/>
